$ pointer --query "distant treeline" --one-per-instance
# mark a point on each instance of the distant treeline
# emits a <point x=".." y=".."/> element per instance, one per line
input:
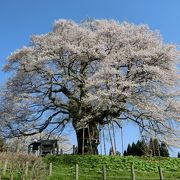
<point x="152" y="148"/>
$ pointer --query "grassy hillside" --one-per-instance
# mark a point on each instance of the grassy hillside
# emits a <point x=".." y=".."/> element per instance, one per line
<point x="90" y="167"/>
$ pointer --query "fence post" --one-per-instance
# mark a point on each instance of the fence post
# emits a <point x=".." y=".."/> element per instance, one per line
<point x="11" y="178"/>
<point x="27" y="168"/>
<point x="5" y="167"/>
<point x="133" y="173"/>
<point x="160" y="173"/>
<point x="77" y="172"/>
<point x="50" y="169"/>
<point x="104" y="172"/>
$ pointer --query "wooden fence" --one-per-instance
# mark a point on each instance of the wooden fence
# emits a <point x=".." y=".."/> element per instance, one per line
<point x="81" y="173"/>
<point x="103" y="175"/>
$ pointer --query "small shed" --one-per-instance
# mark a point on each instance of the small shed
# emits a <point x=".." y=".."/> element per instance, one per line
<point x="43" y="147"/>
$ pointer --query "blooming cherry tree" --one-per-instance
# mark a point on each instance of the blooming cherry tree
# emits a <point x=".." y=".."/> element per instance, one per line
<point x="95" y="72"/>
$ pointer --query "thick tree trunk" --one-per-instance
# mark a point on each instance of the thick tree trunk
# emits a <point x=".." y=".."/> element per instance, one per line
<point x="88" y="139"/>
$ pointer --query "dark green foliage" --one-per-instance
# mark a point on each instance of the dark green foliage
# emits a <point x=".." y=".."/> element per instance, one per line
<point x="154" y="147"/>
<point x="129" y="150"/>
<point x="158" y="149"/>
<point x="138" y="149"/>
<point x="178" y="155"/>
<point x="125" y="153"/>
<point x="133" y="149"/>
<point x="118" y="153"/>
<point x="141" y="148"/>
<point x="164" y="150"/>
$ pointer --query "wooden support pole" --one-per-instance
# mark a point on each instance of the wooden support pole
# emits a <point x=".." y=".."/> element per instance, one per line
<point x="90" y="143"/>
<point x="133" y="173"/>
<point x="114" y="136"/>
<point x="104" y="172"/>
<point x="110" y="138"/>
<point x="122" y="143"/>
<point x="100" y="138"/>
<point x="160" y="173"/>
<point x="104" y="141"/>
<point x="50" y="169"/>
<point x="77" y="172"/>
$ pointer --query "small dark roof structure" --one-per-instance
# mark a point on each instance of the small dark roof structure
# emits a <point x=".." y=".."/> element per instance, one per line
<point x="43" y="147"/>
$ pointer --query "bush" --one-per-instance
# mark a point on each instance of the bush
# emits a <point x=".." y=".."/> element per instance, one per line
<point x="17" y="163"/>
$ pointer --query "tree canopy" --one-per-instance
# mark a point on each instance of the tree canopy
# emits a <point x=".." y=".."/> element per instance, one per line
<point x="93" y="73"/>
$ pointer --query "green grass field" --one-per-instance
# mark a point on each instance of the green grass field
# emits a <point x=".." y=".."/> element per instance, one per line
<point x="90" y="167"/>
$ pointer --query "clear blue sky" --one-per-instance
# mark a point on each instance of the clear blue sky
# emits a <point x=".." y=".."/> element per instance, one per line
<point x="19" y="19"/>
